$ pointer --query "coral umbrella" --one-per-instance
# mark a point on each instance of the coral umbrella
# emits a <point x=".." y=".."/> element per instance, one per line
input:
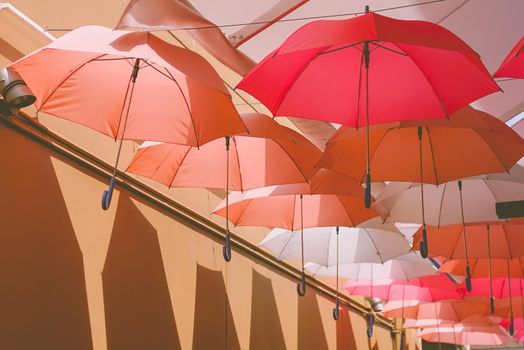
<point x="427" y="151"/>
<point x="469" y="201"/>
<point x="513" y="64"/>
<point x="130" y="86"/>
<point x="467" y="335"/>
<point x="329" y="200"/>
<point x="367" y="70"/>
<point x="372" y="242"/>
<point x="270" y="154"/>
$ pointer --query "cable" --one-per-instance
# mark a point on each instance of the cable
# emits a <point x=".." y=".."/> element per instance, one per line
<point x="284" y="20"/>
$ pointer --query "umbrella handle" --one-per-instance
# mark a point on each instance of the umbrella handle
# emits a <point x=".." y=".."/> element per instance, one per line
<point x="335" y="310"/>
<point x="402" y="340"/>
<point x="468" y="279"/>
<point x="424" y="252"/>
<point x="108" y="194"/>
<point x="367" y="191"/>
<point x="511" y="326"/>
<point x="492" y="304"/>
<point x="371" y="321"/>
<point x="301" y="286"/>
<point x="226" y="249"/>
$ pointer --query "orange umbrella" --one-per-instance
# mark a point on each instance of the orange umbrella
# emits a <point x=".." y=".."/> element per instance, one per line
<point x="270" y="154"/>
<point x="428" y="151"/>
<point x="131" y="86"/>
<point x="329" y="200"/>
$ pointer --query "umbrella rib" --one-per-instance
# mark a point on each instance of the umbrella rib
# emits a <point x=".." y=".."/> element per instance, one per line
<point x="187" y="105"/>
<point x="238" y="161"/>
<point x="178" y="169"/>
<point x="374" y="244"/>
<point x="432" y="155"/>
<point x="340" y="48"/>
<point x="388" y="49"/>
<point x="441" y="203"/>
<point x="76" y="69"/>
<point x="495" y="153"/>
<point x="286" y="244"/>
<point x="293" y="160"/>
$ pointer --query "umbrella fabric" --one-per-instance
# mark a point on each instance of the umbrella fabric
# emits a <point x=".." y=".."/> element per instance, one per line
<point x="86" y="77"/>
<point x="372" y="242"/>
<point x="477" y="320"/>
<point x="404" y="267"/>
<point x="269" y="154"/>
<point x="416" y="70"/>
<point x="513" y="64"/>
<point x="505" y="240"/>
<point x="470" y="143"/>
<point x="501" y="287"/>
<point x="280" y="206"/>
<point x="427" y="289"/>
<point x="480" y="267"/>
<point x="518" y="323"/>
<point x="451" y="311"/>
<point x="400" y="202"/>
<point x="466" y="335"/>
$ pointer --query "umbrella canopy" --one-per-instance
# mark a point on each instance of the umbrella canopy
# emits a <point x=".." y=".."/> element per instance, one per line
<point x="479" y="320"/>
<point x="401" y="202"/>
<point x="466" y="335"/>
<point x="480" y="267"/>
<point x="426" y="289"/>
<point x="500" y="287"/>
<point x="372" y="242"/>
<point x="513" y="64"/>
<point x="270" y="154"/>
<point x="404" y="267"/>
<point x="130" y="86"/>
<point x="451" y="311"/>
<point x="367" y="70"/>
<point x="470" y="143"/>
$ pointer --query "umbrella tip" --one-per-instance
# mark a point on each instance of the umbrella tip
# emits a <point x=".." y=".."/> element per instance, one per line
<point x="366" y="9"/>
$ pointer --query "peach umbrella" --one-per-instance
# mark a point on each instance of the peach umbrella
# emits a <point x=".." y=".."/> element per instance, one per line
<point x="431" y="151"/>
<point x="463" y="334"/>
<point x="269" y="154"/>
<point x="329" y="200"/>
<point x="131" y="86"/>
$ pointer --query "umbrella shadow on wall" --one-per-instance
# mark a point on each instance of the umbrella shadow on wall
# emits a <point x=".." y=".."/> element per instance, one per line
<point x="43" y="298"/>
<point x="345" y="334"/>
<point x="213" y="327"/>
<point x="266" y="331"/>
<point x="138" y="309"/>
<point x="311" y="334"/>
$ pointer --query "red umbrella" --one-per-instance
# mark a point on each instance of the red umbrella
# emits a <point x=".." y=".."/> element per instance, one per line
<point x="131" y="86"/>
<point x="513" y="65"/>
<point x="369" y="69"/>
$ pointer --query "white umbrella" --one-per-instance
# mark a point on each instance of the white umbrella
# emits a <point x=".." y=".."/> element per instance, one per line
<point x="372" y="242"/>
<point x="404" y="267"/>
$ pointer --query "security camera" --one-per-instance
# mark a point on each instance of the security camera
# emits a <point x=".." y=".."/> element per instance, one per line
<point x="14" y="89"/>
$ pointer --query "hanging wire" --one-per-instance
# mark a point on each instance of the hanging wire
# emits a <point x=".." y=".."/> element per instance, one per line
<point x="284" y="20"/>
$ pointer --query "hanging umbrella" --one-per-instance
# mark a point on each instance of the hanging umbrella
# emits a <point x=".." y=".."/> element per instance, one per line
<point x="447" y="311"/>
<point x="518" y="324"/>
<point x="466" y="335"/>
<point x="469" y="320"/>
<point x="367" y="70"/>
<point x="513" y="65"/>
<point x="371" y="242"/>
<point x="269" y="154"/>
<point x="467" y="201"/>
<point x="130" y="86"/>
<point x="427" y="151"/>
<point x="329" y="200"/>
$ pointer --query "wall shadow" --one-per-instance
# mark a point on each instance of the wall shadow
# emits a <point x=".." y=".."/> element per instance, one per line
<point x="266" y="331"/>
<point x="345" y="333"/>
<point x="43" y="299"/>
<point x="311" y="334"/>
<point x="436" y="346"/>
<point x="138" y="309"/>
<point x="213" y="326"/>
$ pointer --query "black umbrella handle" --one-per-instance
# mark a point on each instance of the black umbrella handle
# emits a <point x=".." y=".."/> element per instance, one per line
<point x="424" y="252"/>
<point x="108" y="194"/>
<point x="335" y="310"/>
<point x="402" y="340"/>
<point x="367" y="191"/>
<point x="468" y="278"/>
<point x="371" y="321"/>
<point x="511" y="326"/>
<point x="301" y="286"/>
<point x="226" y="249"/>
<point x="491" y="304"/>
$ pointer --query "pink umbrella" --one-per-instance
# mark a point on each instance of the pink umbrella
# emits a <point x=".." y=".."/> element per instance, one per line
<point x="130" y="86"/>
<point x="463" y="334"/>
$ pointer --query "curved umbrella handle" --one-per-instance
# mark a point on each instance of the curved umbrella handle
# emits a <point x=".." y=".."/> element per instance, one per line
<point x="468" y="279"/>
<point x="367" y="191"/>
<point x="371" y="321"/>
<point x="424" y="252"/>
<point x="491" y="304"/>
<point x="511" y="326"/>
<point x="108" y="194"/>
<point x="335" y="310"/>
<point x="226" y="249"/>
<point x="301" y="286"/>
